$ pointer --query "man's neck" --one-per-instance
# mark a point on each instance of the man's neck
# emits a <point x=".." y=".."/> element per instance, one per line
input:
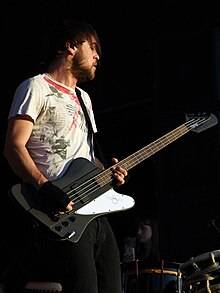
<point x="62" y="74"/>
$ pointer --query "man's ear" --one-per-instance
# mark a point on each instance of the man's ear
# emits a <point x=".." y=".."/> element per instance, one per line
<point x="70" y="44"/>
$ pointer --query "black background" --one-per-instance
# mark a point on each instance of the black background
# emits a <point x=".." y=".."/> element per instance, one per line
<point x="160" y="61"/>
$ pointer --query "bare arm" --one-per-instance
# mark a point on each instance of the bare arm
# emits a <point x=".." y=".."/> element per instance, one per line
<point x="18" y="157"/>
<point x="16" y="153"/>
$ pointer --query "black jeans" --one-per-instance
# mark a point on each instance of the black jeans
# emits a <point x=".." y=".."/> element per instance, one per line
<point x="92" y="265"/>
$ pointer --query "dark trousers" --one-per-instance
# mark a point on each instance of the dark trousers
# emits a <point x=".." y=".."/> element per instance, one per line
<point x="90" y="265"/>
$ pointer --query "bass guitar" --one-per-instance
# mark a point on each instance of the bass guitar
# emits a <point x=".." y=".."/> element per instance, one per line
<point x="91" y="189"/>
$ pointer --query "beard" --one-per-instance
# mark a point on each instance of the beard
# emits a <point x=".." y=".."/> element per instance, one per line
<point x="80" y="70"/>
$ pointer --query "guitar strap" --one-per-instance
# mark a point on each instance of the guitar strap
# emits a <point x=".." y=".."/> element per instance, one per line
<point x="97" y="147"/>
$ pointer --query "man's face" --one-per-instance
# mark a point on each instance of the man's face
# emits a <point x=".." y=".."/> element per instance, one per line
<point x="85" y="62"/>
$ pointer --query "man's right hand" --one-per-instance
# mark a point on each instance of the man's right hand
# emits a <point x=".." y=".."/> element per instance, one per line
<point x="54" y="198"/>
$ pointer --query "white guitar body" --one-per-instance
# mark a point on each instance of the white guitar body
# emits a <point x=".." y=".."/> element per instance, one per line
<point x="108" y="202"/>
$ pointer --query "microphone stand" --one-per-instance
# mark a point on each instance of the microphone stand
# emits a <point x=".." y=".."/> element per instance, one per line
<point x="213" y="224"/>
<point x="162" y="275"/>
<point x="137" y="274"/>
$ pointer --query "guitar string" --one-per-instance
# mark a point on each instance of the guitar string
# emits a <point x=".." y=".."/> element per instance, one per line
<point x="107" y="174"/>
<point x="83" y="191"/>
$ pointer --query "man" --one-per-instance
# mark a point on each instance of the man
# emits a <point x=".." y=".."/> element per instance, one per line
<point x="47" y="130"/>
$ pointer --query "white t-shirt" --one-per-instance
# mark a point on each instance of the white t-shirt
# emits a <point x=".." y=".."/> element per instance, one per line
<point x="59" y="131"/>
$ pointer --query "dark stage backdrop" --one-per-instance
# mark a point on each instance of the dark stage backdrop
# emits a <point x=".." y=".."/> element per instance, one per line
<point x="181" y="182"/>
<point x="149" y="78"/>
<point x="187" y="175"/>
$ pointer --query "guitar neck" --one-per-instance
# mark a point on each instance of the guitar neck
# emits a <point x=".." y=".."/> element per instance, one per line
<point x="131" y="161"/>
<point x="196" y="123"/>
